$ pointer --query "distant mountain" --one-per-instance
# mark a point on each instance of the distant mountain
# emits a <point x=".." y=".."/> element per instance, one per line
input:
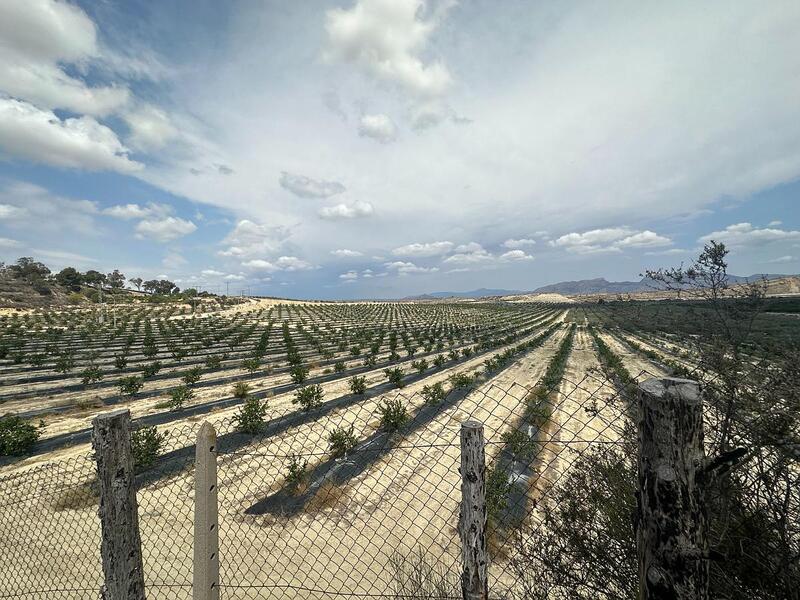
<point x="482" y="292"/>
<point x="603" y="286"/>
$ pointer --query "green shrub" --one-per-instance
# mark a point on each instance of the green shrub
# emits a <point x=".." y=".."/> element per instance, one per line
<point x="251" y="365"/>
<point x="17" y="436"/>
<point x="498" y="487"/>
<point x="250" y="418"/>
<point x="461" y="380"/>
<point x="395" y="376"/>
<point x="299" y="373"/>
<point x="420" y="365"/>
<point x="296" y="471"/>
<point x="520" y="444"/>
<point x="179" y="396"/>
<point x="65" y="363"/>
<point x="241" y="390"/>
<point x="439" y="360"/>
<point x="91" y="374"/>
<point x="213" y="362"/>
<point x="341" y="440"/>
<point x="120" y="362"/>
<point x="309" y="397"/>
<point x="339" y="366"/>
<point x="128" y="386"/>
<point x="434" y="393"/>
<point x="146" y="445"/>
<point x="151" y="369"/>
<point x="393" y="414"/>
<point x="192" y="376"/>
<point x="358" y="385"/>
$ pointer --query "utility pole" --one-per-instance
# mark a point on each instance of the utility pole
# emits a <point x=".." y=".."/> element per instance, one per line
<point x="227" y="288"/>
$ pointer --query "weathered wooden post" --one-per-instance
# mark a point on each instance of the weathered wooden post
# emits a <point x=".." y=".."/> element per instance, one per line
<point x="671" y="526"/>
<point x="205" y="582"/>
<point x="472" y="520"/>
<point x="121" y="546"/>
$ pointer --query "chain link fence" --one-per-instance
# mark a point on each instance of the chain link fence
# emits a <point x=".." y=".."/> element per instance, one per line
<point x="358" y="501"/>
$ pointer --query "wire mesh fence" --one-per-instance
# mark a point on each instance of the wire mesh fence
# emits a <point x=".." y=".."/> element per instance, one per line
<point x="359" y="501"/>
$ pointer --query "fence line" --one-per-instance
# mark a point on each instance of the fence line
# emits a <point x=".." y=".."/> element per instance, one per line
<point x="242" y="516"/>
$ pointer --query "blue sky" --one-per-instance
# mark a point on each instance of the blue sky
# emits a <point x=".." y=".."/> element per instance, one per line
<point x="381" y="148"/>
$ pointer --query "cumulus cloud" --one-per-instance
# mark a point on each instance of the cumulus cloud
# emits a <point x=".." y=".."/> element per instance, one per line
<point x="24" y="205"/>
<point x="378" y="127"/>
<point x="211" y="273"/>
<point x="305" y="187"/>
<point x="136" y="211"/>
<point x="406" y="268"/>
<point x="423" y="250"/>
<point x="38" y="38"/>
<point x="250" y="239"/>
<point x="345" y="253"/>
<point x="387" y="39"/>
<point x="39" y="135"/>
<point x="349" y="276"/>
<point x="520" y="243"/>
<point x="469" y="254"/>
<point x="283" y="263"/>
<point x="515" y="255"/>
<point x="346" y="211"/>
<point x="611" y="239"/>
<point x="744" y="234"/>
<point x="164" y="229"/>
<point x="150" y="128"/>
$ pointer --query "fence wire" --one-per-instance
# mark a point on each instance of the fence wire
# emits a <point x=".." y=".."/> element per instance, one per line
<point x="373" y="515"/>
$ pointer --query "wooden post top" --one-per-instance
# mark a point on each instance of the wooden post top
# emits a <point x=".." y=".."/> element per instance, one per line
<point x="661" y="388"/>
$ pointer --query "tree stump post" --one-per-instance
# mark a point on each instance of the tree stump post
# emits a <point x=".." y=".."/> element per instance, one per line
<point x="205" y="571"/>
<point x="671" y="527"/>
<point x="472" y="520"/>
<point x="121" y="546"/>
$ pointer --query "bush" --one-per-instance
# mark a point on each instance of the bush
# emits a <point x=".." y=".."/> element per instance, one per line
<point x="520" y="444"/>
<point x="338" y="366"/>
<point x="128" y="386"/>
<point x="341" y="441"/>
<point x="17" y="436"/>
<point x="213" y="362"/>
<point x="192" y="376"/>
<point x="151" y="369"/>
<point x="498" y="487"/>
<point x="296" y="472"/>
<point x="461" y="380"/>
<point x="309" y="397"/>
<point x="179" y="396"/>
<point x="393" y="414"/>
<point x="250" y="418"/>
<point x="241" y="390"/>
<point x="420" y="365"/>
<point x="358" y="385"/>
<point x="434" y="393"/>
<point x="146" y="444"/>
<point x="65" y="363"/>
<point x="439" y="360"/>
<point x="120" y="362"/>
<point x="251" y="365"/>
<point x="299" y="373"/>
<point x="395" y="376"/>
<point x="91" y="374"/>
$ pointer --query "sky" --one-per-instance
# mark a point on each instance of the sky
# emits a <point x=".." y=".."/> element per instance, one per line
<point x="385" y="148"/>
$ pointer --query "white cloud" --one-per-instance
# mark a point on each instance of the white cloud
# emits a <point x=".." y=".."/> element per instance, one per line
<point x="173" y="260"/>
<point x="783" y="259"/>
<point x="350" y="275"/>
<point x="136" y="211"/>
<point x="165" y="229"/>
<point x="346" y="211"/>
<point x="424" y="250"/>
<point x="28" y="206"/>
<point x="283" y="263"/>
<point x="345" y="253"/>
<point x="745" y="235"/>
<point x="611" y="239"/>
<point x="515" y="255"/>
<point x="406" y="268"/>
<point x="211" y="273"/>
<point x="379" y="127"/>
<point x="386" y="39"/>
<point x="470" y="254"/>
<point x="517" y="244"/>
<point x="234" y="277"/>
<point x="40" y="136"/>
<point x="249" y="239"/>
<point x="38" y="37"/>
<point x="305" y="187"/>
<point x="150" y="127"/>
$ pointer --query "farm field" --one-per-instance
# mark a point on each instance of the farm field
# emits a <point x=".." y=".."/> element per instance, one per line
<point x="549" y="383"/>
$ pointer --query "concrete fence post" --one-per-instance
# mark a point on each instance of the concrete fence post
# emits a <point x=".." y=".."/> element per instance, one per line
<point x="121" y="546"/>
<point x="205" y="581"/>
<point x="472" y="519"/>
<point x="671" y="527"/>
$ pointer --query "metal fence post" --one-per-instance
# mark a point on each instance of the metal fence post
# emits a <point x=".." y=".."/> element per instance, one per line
<point x="121" y="546"/>
<point x="671" y="526"/>
<point x="472" y="520"/>
<point x="205" y="571"/>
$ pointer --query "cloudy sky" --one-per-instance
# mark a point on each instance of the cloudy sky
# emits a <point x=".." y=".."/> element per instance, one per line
<point x="380" y="148"/>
